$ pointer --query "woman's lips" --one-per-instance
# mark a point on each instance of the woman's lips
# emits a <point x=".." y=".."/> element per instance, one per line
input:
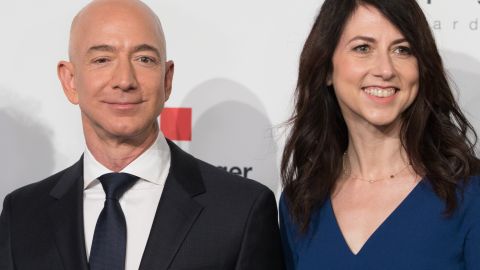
<point x="380" y="92"/>
<point x="382" y="95"/>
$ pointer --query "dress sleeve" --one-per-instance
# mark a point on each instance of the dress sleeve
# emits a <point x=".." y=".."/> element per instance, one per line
<point x="287" y="228"/>
<point x="472" y="241"/>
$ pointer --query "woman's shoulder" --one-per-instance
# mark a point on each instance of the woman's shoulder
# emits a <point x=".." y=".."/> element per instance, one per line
<point x="290" y="223"/>
<point x="469" y="197"/>
<point x="471" y="187"/>
<point x="287" y="220"/>
<point x="288" y="227"/>
<point x="284" y="211"/>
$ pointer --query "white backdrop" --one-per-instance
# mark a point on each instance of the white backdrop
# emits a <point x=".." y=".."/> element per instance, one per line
<point x="236" y="65"/>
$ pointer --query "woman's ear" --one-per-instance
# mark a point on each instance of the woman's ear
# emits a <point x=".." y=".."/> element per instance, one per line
<point x="329" y="79"/>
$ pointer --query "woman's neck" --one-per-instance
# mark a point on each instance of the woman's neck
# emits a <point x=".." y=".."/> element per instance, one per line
<point x="375" y="152"/>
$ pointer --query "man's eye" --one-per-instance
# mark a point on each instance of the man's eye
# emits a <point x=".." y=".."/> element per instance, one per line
<point x="101" y="60"/>
<point x="147" y="60"/>
<point x="364" y="48"/>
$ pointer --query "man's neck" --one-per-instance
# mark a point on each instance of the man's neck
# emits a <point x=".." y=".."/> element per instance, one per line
<point x="115" y="154"/>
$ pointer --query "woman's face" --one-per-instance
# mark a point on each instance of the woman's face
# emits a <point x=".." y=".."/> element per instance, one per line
<point x="375" y="75"/>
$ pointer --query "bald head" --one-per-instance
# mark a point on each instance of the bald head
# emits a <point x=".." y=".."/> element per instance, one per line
<point x="107" y="14"/>
<point x="117" y="74"/>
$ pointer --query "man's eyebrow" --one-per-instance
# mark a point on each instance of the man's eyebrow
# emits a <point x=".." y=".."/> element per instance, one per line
<point x="139" y="48"/>
<point x="102" y="48"/>
<point x="146" y="47"/>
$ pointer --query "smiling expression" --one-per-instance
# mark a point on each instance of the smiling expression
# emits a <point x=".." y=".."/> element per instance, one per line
<point x="118" y="74"/>
<point x="375" y="76"/>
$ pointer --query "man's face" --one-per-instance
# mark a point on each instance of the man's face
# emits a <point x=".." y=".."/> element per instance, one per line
<point x="118" y="74"/>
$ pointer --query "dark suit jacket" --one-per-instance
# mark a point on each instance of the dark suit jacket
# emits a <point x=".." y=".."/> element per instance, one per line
<point x="206" y="219"/>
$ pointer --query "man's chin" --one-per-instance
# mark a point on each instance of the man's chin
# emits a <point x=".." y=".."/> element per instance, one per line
<point x="127" y="134"/>
<point x="117" y="129"/>
<point x="132" y="134"/>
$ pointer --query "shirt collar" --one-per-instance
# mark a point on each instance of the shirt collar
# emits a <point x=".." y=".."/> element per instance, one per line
<point x="152" y="165"/>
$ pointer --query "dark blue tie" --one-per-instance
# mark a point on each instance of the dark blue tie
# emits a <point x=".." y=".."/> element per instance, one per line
<point x="110" y="237"/>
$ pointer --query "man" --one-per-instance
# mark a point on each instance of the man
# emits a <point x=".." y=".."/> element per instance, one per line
<point x="172" y="211"/>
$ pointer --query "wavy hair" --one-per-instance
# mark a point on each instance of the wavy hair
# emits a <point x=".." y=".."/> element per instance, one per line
<point x="437" y="137"/>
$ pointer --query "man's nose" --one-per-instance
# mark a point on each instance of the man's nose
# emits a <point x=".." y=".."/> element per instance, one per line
<point x="383" y="66"/>
<point x="124" y="77"/>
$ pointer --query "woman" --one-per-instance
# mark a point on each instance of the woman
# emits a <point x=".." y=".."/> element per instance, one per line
<point x="378" y="170"/>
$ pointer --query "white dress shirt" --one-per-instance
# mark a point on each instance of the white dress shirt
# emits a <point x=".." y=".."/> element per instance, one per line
<point x="139" y="203"/>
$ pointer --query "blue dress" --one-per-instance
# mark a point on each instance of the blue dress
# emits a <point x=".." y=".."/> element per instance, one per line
<point x="416" y="236"/>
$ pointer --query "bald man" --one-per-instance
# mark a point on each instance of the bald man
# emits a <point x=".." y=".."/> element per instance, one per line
<point x="134" y="200"/>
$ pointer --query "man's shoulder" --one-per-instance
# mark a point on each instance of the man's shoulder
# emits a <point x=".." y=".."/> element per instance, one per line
<point x="229" y="191"/>
<point x="217" y="180"/>
<point x="233" y="198"/>
<point x="214" y="176"/>
<point x="38" y="189"/>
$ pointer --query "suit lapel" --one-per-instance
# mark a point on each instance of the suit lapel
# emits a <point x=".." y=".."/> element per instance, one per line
<point x="66" y="214"/>
<point x="176" y="213"/>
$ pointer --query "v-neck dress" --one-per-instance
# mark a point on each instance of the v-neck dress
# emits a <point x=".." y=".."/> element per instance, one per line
<point x="416" y="236"/>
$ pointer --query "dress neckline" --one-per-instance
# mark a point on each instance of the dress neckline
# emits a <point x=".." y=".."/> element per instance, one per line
<point x="397" y="211"/>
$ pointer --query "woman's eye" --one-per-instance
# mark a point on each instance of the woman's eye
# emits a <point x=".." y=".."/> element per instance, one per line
<point x="364" y="48"/>
<point x="403" y="50"/>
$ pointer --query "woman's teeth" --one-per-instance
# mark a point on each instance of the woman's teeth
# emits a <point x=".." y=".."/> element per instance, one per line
<point x="380" y="92"/>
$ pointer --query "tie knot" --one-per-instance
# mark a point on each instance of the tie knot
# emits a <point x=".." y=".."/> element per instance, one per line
<point x="115" y="184"/>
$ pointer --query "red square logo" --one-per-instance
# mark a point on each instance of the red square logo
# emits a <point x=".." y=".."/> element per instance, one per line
<point x="176" y="123"/>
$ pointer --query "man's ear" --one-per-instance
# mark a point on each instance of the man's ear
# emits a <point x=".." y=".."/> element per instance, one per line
<point x="169" y="70"/>
<point x="66" y="74"/>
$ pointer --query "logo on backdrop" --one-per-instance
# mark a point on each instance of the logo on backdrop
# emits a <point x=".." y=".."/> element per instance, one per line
<point x="176" y="125"/>
<point x="467" y="24"/>
<point x="237" y="170"/>
<point x="430" y="1"/>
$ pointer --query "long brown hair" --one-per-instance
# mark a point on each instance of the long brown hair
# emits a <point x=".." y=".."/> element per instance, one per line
<point x="436" y="135"/>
